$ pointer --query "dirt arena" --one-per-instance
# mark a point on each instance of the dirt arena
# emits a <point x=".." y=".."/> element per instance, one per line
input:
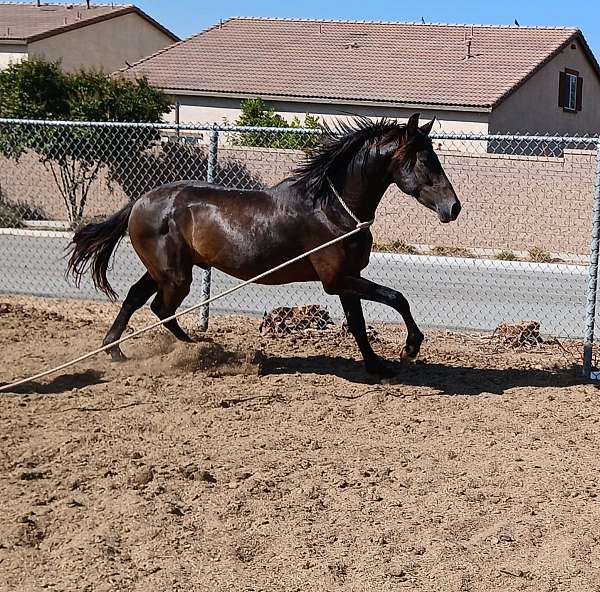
<point x="259" y="464"/>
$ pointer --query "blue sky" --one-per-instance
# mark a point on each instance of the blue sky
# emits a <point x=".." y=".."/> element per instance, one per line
<point x="185" y="17"/>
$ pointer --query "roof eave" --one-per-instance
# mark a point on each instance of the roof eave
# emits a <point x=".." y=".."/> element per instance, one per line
<point x="101" y="18"/>
<point x="329" y="100"/>
<point x="164" y="29"/>
<point x="170" y="47"/>
<point x="8" y="41"/>
<point x="586" y="50"/>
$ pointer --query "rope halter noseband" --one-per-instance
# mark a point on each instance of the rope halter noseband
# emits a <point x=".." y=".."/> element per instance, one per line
<point x="359" y="224"/>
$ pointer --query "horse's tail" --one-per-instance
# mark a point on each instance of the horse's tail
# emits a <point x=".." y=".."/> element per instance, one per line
<point x="92" y="247"/>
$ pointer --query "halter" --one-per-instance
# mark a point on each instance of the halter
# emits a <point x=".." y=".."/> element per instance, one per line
<point x="359" y="224"/>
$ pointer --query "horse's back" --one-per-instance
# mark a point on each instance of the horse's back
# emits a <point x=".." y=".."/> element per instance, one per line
<point x="186" y="193"/>
<point x="241" y="232"/>
<point x="167" y="189"/>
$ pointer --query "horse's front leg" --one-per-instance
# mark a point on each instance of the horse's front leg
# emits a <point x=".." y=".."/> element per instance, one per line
<point x="374" y="364"/>
<point x="367" y="290"/>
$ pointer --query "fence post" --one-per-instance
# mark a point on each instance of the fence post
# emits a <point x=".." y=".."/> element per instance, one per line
<point x="592" y="290"/>
<point x="177" y="110"/>
<point x="213" y="145"/>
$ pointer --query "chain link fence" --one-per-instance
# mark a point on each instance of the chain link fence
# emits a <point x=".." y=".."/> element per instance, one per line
<point x="516" y="263"/>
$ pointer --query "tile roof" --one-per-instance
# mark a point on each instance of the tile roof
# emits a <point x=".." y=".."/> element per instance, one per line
<point x="28" y="22"/>
<point x="396" y="63"/>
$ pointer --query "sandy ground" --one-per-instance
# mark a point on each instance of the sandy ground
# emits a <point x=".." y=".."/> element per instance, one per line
<point x="252" y="463"/>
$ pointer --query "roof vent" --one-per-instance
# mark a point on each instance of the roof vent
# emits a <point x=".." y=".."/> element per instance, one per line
<point x="468" y="42"/>
<point x="351" y="45"/>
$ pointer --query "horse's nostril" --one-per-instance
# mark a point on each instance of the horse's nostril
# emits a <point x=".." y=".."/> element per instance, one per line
<point x="455" y="211"/>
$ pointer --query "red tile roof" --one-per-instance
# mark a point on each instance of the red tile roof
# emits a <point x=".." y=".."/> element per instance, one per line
<point x="394" y="63"/>
<point x="28" y="22"/>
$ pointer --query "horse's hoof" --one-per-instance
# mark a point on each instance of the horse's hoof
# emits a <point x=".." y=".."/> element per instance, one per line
<point x="407" y="357"/>
<point x="116" y="355"/>
<point x="380" y="368"/>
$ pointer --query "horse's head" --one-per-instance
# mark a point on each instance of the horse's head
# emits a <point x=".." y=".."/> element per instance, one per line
<point x="417" y="171"/>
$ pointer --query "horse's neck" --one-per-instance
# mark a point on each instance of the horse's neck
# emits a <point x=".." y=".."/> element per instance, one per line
<point x="363" y="189"/>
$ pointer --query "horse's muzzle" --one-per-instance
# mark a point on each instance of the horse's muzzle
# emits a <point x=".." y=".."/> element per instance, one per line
<point x="449" y="214"/>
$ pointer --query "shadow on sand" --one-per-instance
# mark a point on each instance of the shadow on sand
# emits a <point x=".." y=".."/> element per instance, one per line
<point x="448" y="380"/>
<point x="59" y="384"/>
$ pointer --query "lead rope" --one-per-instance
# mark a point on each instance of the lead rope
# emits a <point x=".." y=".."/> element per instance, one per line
<point x="359" y="224"/>
<point x="359" y="227"/>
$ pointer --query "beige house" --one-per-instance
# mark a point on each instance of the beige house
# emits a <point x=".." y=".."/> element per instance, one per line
<point x="103" y="36"/>
<point x="472" y="78"/>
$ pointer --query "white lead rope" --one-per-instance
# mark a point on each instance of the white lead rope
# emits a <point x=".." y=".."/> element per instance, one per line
<point x="360" y="226"/>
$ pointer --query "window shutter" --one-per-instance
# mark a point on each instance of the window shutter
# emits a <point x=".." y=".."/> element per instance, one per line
<point x="579" y="93"/>
<point x="562" y="89"/>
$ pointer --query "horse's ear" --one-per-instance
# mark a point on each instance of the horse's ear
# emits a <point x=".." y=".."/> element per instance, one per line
<point x="426" y="129"/>
<point x="413" y="125"/>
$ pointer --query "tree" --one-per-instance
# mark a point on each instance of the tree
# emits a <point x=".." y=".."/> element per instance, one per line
<point x="37" y="89"/>
<point x="256" y="113"/>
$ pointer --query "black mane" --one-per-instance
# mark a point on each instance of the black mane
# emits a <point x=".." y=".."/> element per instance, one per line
<point x="339" y="145"/>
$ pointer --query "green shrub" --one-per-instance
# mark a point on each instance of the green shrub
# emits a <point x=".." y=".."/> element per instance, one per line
<point x="397" y="246"/>
<point x="256" y="113"/>
<point x="440" y="251"/>
<point x="506" y="255"/>
<point x="12" y="215"/>
<point x="539" y="255"/>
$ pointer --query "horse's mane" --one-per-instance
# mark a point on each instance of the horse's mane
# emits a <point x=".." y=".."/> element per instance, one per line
<point x="340" y="143"/>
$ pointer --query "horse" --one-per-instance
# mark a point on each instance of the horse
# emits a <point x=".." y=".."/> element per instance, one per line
<point x="243" y="233"/>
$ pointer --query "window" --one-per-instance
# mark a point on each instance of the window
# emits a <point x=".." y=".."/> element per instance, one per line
<point x="570" y="91"/>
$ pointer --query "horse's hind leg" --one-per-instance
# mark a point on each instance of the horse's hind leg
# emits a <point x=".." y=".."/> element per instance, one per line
<point x="136" y="298"/>
<point x="171" y="293"/>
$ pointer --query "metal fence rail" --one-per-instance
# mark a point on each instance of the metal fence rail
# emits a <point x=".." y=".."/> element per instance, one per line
<point x="520" y="250"/>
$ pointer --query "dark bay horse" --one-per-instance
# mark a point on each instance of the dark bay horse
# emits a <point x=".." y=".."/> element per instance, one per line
<point x="243" y="232"/>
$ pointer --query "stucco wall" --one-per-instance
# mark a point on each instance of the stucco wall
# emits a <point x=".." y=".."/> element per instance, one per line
<point x="215" y="109"/>
<point x="105" y="45"/>
<point x="11" y="54"/>
<point x="534" y="107"/>
<point x="509" y="202"/>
